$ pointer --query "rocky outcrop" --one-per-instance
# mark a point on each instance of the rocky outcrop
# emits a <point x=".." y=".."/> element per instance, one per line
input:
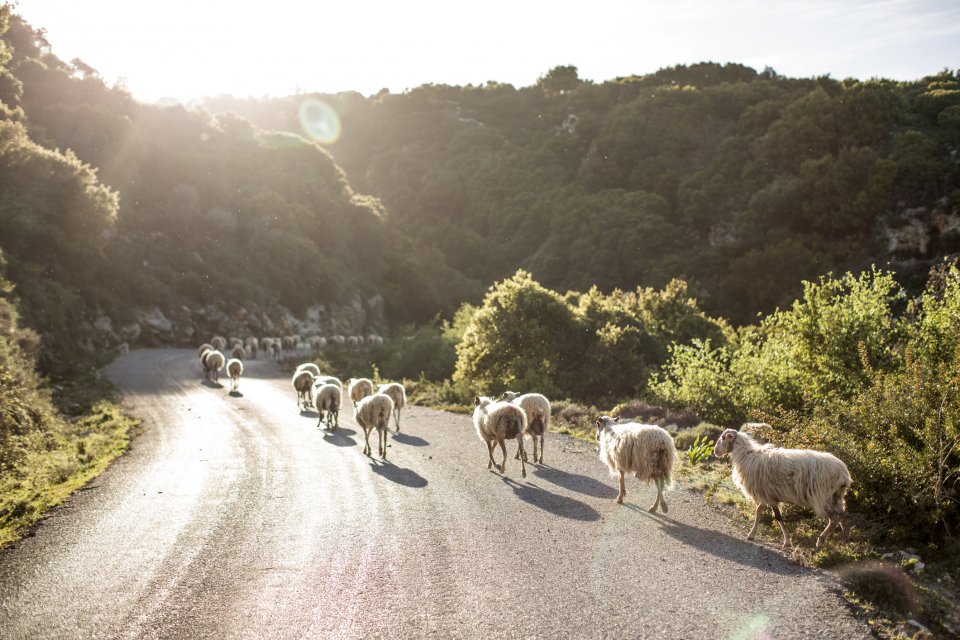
<point x="917" y="238"/>
<point x="181" y="325"/>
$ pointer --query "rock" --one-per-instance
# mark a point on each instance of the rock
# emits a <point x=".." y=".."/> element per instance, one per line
<point x="916" y="628"/>
<point x="103" y="324"/>
<point x="155" y="320"/>
<point x="131" y="331"/>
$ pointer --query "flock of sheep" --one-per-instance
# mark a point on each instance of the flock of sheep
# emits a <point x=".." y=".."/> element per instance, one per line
<point x="766" y="474"/>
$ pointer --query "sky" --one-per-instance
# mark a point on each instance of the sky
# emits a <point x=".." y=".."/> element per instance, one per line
<point x="188" y="49"/>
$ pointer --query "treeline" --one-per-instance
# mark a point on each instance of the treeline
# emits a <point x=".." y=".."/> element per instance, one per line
<point x="742" y="183"/>
<point x="108" y="205"/>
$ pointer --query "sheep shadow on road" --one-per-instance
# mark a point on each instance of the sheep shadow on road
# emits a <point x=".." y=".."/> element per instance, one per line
<point x="400" y="475"/>
<point x="235" y="394"/>
<point x="211" y="384"/>
<point x="309" y="413"/>
<point x="339" y="437"/>
<point x="726" y="547"/>
<point x="554" y="503"/>
<point x="574" y="482"/>
<point x="413" y="441"/>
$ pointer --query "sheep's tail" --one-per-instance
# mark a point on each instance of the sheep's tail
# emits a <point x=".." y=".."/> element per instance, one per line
<point x="537" y="425"/>
<point x="513" y="426"/>
<point x="662" y="460"/>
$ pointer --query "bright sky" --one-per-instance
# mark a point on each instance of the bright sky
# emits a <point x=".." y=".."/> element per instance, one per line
<point x="187" y="49"/>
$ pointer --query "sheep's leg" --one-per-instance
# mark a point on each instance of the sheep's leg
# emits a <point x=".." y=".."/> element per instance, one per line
<point x="783" y="527"/>
<point x="756" y="522"/>
<point x="366" y="437"/>
<point x="541" y="447"/>
<point x="832" y="521"/>
<point x="623" y="490"/>
<point x="523" y="457"/>
<point x="535" y="450"/>
<point x="397" y="415"/>
<point x="383" y="443"/>
<point x="490" y="446"/>
<point x="503" y="449"/>
<point x="656" y="503"/>
<point x="661" y="483"/>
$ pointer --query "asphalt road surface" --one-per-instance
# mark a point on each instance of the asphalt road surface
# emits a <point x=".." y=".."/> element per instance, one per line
<point x="236" y="517"/>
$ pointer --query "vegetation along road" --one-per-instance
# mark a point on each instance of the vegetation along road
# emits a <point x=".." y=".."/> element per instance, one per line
<point x="236" y="517"/>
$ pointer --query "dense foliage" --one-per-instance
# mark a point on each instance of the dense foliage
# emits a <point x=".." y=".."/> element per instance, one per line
<point x="853" y="369"/>
<point x="741" y="183"/>
<point x="588" y="346"/>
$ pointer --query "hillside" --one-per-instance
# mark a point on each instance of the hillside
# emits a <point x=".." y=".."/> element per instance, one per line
<point x="741" y="182"/>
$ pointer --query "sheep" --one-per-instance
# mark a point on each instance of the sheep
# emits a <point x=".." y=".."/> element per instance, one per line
<point x="399" y="396"/>
<point x="373" y="412"/>
<point x="213" y="361"/>
<point x="537" y="408"/>
<point x="374" y="340"/>
<point x="275" y="349"/>
<point x="302" y="383"/>
<point x="206" y="346"/>
<point x="123" y="348"/>
<point x="331" y="380"/>
<point x="338" y="339"/>
<point x="645" y="450"/>
<point x="496" y="422"/>
<point x="309" y="366"/>
<point x="234" y="370"/>
<point x="352" y="342"/>
<point x="359" y="388"/>
<point x="235" y="342"/>
<point x="326" y="400"/>
<point x="770" y="475"/>
<point x="238" y="352"/>
<point x="219" y="342"/>
<point x="253" y="346"/>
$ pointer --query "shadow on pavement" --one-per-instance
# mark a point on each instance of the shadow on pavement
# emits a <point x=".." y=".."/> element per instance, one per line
<point x="235" y="394"/>
<point x="339" y="438"/>
<point x="212" y="385"/>
<point x="413" y="441"/>
<point x="575" y="482"/>
<point x="554" y="503"/>
<point x="405" y="477"/>
<point x="309" y="413"/>
<point x="724" y="546"/>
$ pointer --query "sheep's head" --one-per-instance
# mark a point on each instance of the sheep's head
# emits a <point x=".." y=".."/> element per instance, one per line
<point x="481" y="401"/>
<point x="509" y="396"/>
<point x="725" y="443"/>
<point x="604" y="422"/>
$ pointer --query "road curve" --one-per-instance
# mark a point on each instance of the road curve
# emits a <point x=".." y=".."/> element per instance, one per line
<point x="235" y="517"/>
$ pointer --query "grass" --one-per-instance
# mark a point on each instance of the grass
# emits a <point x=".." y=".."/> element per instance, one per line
<point x="62" y="459"/>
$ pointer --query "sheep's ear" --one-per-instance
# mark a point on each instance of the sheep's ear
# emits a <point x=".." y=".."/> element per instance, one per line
<point x="617" y="418"/>
<point x="476" y="400"/>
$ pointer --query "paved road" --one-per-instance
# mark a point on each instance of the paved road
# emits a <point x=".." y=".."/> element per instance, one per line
<point x="235" y="517"/>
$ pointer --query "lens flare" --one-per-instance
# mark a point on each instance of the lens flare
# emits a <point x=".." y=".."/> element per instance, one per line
<point x="319" y="121"/>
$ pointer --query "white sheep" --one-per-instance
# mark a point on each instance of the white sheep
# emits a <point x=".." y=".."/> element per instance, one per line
<point x="302" y="383"/>
<point x="399" y="396"/>
<point x="219" y="342"/>
<point x="206" y="346"/>
<point x="326" y="400"/>
<point x="238" y="352"/>
<point x="235" y="342"/>
<point x="770" y="475"/>
<point x="275" y="349"/>
<point x="645" y="450"/>
<point x="338" y="340"/>
<point x="311" y="367"/>
<point x="352" y="342"/>
<point x="330" y="380"/>
<point x="234" y="370"/>
<point x="212" y="361"/>
<point x="253" y="346"/>
<point x="496" y="422"/>
<point x="359" y="388"/>
<point x="123" y="348"/>
<point x="537" y="408"/>
<point x="373" y="412"/>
